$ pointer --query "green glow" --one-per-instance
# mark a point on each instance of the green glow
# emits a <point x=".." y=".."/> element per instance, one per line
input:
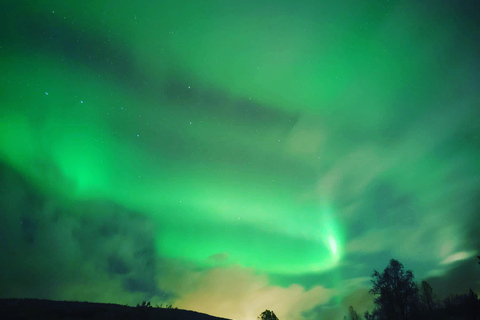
<point x="68" y="148"/>
<point x="270" y="136"/>
<point x="333" y="245"/>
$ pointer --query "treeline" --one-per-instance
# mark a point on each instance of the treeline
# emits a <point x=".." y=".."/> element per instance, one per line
<point x="398" y="297"/>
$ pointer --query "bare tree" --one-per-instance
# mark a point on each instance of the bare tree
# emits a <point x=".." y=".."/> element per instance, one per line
<point x="395" y="291"/>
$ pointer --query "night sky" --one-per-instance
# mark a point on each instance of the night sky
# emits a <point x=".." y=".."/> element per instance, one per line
<point x="234" y="156"/>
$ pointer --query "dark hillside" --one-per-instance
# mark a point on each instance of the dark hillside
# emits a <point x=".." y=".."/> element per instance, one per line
<point x="51" y="310"/>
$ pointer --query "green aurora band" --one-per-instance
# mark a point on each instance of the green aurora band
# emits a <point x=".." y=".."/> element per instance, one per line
<point x="66" y="148"/>
<point x="236" y="113"/>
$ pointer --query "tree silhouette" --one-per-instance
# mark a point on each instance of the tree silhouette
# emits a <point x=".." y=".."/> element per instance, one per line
<point x="462" y="306"/>
<point x="396" y="292"/>
<point x="267" y="315"/>
<point x="473" y="304"/>
<point x="352" y="314"/>
<point x="426" y="297"/>
<point x="369" y="316"/>
<point x="145" y="304"/>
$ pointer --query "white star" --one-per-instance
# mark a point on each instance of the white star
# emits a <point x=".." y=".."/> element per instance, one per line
<point x="46" y="93"/>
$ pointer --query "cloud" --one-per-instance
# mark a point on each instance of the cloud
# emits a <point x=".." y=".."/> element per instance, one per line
<point x="100" y="252"/>
<point x="240" y="293"/>
<point x="417" y="192"/>
<point x="352" y="292"/>
<point x="457" y="278"/>
<point x="459" y="256"/>
<point x="94" y="250"/>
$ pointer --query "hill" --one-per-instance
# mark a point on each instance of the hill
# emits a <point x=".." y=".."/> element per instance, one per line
<point x="26" y="309"/>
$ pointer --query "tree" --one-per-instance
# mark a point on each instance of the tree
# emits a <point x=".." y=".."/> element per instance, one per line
<point x="396" y="292"/>
<point x="267" y="315"/>
<point x="145" y="304"/>
<point x="462" y="306"/>
<point x="369" y="316"/>
<point x="352" y="314"/>
<point x="473" y="305"/>
<point x="426" y="297"/>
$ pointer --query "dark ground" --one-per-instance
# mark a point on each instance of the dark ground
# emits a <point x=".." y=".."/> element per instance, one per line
<point x="51" y="310"/>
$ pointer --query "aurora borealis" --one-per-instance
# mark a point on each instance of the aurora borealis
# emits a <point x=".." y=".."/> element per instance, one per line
<point x="234" y="156"/>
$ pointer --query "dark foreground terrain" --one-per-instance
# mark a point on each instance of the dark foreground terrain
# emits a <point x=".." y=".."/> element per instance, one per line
<point x="46" y="309"/>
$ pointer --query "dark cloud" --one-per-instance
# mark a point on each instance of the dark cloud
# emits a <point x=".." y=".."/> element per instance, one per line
<point x="359" y="298"/>
<point x="391" y="206"/>
<point x="462" y="276"/>
<point x="69" y="40"/>
<point x="45" y="244"/>
<point x="140" y="285"/>
<point x="117" y="265"/>
<point x="29" y="228"/>
<point x="196" y="96"/>
<point x="29" y="266"/>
